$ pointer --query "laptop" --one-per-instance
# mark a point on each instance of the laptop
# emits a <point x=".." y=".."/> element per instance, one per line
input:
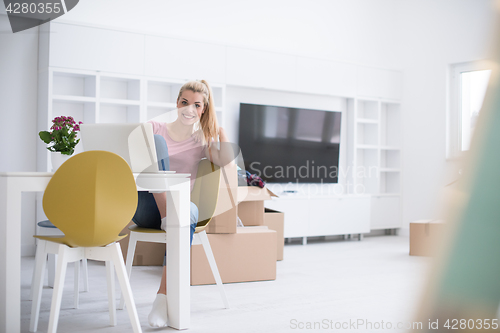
<point x="134" y="142"/>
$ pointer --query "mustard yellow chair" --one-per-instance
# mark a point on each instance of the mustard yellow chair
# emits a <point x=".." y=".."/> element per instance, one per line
<point x="90" y="198"/>
<point x="205" y="195"/>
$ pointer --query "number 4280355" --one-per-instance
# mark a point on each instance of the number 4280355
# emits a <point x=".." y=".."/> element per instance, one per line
<point x="33" y="8"/>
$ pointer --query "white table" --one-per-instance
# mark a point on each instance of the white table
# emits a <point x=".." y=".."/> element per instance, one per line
<point x="177" y="186"/>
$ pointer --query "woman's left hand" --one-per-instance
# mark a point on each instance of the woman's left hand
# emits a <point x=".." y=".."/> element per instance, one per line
<point x="198" y="136"/>
<point x="222" y="135"/>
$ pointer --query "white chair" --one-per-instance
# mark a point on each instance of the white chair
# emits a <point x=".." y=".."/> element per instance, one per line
<point x="52" y="260"/>
<point x="205" y="195"/>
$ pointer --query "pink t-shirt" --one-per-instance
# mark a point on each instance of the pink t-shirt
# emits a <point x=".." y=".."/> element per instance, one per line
<point x="184" y="156"/>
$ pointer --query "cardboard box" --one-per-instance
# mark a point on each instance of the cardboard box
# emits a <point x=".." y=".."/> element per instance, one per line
<point x="251" y="213"/>
<point x="226" y="212"/>
<point x="247" y="255"/>
<point x="146" y="253"/>
<point x="275" y="220"/>
<point x="425" y="236"/>
<point x="251" y="204"/>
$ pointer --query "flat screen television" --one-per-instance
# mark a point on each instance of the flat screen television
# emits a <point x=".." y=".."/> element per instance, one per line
<point x="283" y="144"/>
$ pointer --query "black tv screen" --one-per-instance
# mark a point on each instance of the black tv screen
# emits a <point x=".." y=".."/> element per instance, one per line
<point x="282" y="144"/>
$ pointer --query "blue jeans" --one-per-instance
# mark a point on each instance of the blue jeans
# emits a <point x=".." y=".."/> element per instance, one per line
<point x="147" y="214"/>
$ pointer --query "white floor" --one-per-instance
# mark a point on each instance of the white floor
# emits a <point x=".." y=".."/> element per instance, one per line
<point x="319" y="285"/>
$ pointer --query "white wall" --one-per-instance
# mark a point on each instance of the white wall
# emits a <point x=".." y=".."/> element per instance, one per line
<point x="436" y="34"/>
<point x="18" y="112"/>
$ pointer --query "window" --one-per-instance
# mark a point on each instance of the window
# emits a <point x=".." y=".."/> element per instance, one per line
<point x="468" y="83"/>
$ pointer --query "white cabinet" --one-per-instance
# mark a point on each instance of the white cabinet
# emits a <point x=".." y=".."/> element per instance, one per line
<point x="252" y="68"/>
<point x="297" y="215"/>
<point x="79" y="47"/>
<point x="323" y="215"/>
<point x="325" y="77"/>
<point x="70" y="46"/>
<point x="181" y="59"/>
<point x="339" y="216"/>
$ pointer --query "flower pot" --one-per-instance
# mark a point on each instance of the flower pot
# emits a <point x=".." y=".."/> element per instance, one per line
<point x="57" y="160"/>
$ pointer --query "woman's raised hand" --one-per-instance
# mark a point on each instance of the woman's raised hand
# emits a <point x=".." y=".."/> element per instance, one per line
<point x="198" y="136"/>
<point x="222" y="135"/>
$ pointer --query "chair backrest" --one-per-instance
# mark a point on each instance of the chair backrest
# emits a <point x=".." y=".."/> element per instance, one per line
<point x="205" y="192"/>
<point x="91" y="198"/>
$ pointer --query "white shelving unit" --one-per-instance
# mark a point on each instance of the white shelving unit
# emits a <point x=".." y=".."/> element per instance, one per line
<point x="99" y="97"/>
<point x="106" y="86"/>
<point x="372" y="198"/>
<point x="375" y="126"/>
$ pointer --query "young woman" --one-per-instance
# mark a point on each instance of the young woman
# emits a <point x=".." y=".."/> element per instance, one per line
<point x="188" y="139"/>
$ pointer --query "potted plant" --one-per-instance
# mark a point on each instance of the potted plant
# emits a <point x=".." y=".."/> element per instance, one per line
<point x="61" y="138"/>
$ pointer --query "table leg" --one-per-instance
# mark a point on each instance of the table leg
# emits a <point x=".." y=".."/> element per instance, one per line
<point x="178" y="256"/>
<point x="10" y="255"/>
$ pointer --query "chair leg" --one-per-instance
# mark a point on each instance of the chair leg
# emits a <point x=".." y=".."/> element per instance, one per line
<point x="32" y="290"/>
<point x="76" y="289"/>
<point x="52" y="269"/>
<point x="110" y="277"/>
<point x="213" y="266"/>
<point x="58" y="288"/>
<point x="37" y="284"/>
<point x="121" y="273"/>
<point x="132" y="243"/>
<point x="85" y="275"/>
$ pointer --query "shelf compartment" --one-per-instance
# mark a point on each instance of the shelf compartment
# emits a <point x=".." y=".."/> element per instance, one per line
<point x="115" y="113"/>
<point x="69" y="84"/>
<point x="219" y="115"/>
<point x="390" y="159"/>
<point x="367" y="134"/>
<point x="163" y="92"/>
<point x="84" y="112"/>
<point x="218" y="96"/>
<point x="117" y="88"/>
<point x="390" y="122"/>
<point x="390" y="182"/>
<point x="367" y="109"/>
<point x="367" y="171"/>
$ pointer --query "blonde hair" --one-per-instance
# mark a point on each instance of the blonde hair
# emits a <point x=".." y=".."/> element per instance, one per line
<point x="208" y="120"/>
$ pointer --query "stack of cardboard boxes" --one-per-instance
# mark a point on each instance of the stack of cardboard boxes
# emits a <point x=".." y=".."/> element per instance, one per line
<point x="242" y="254"/>
<point x="246" y="253"/>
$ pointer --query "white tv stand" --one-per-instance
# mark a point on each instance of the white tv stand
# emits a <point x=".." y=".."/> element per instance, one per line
<point x="315" y="214"/>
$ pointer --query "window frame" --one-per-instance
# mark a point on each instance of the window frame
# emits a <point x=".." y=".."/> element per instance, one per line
<point x="454" y="110"/>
